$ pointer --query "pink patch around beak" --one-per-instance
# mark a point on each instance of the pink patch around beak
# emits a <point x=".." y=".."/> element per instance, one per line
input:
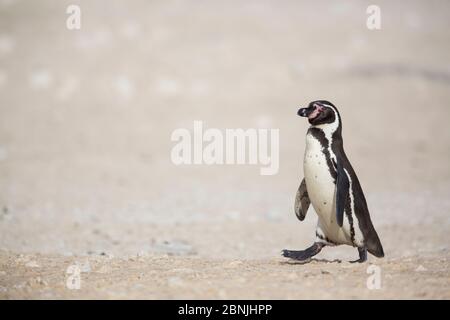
<point x="316" y="112"/>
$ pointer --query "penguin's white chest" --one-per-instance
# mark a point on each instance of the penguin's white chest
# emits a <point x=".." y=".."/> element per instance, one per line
<point x="322" y="191"/>
<point x="319" y="182"/>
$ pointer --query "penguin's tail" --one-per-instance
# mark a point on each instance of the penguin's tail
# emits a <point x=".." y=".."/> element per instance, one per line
<point x="374" y="245"/>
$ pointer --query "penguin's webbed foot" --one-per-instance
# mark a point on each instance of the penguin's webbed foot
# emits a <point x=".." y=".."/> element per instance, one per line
<point x="303" y="255"/>
<point x="300" y="255"/>
<point x="362" y="256"/>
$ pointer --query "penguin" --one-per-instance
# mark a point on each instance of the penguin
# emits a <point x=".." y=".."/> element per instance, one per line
<point x="330" y="184"/>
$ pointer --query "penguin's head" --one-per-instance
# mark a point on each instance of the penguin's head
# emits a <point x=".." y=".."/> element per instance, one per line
<point x="320" y="112"/>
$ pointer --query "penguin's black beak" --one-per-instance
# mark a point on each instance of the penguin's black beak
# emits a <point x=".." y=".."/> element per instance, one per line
<point x="302" y="112"/>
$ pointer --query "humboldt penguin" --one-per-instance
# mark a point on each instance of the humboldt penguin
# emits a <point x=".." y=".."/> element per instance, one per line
<point x="330" y="184"/>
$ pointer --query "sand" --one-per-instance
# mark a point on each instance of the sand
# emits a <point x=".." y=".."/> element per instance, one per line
<point x="86" y="179"/>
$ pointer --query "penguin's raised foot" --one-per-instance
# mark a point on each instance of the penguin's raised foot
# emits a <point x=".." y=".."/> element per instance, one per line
<point x="296" y="255"/>
<point x="362" y="256"/>
<point x="303" y="255"/>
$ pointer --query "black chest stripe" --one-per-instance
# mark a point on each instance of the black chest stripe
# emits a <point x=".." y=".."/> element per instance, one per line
<point x="320" y="136"/>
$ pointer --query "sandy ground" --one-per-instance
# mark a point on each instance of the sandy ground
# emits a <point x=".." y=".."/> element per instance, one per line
<point x="164" y="277"/>
<point x="86" y="179"/>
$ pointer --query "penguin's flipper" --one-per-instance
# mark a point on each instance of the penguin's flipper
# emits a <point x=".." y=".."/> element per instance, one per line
<point x="302" y="201"/>
<point x="342" y="190"/>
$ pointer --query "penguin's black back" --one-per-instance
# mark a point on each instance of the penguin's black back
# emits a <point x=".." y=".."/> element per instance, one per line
<point x="371" y="239"/>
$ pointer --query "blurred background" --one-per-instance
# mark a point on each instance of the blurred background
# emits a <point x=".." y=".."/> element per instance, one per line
<point x="86" y="118"/>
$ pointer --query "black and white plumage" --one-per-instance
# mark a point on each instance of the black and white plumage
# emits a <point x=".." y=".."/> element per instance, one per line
<point x="332" y="187"/>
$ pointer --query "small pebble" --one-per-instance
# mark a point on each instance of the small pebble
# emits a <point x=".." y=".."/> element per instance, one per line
<point x="421" y="268"/>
